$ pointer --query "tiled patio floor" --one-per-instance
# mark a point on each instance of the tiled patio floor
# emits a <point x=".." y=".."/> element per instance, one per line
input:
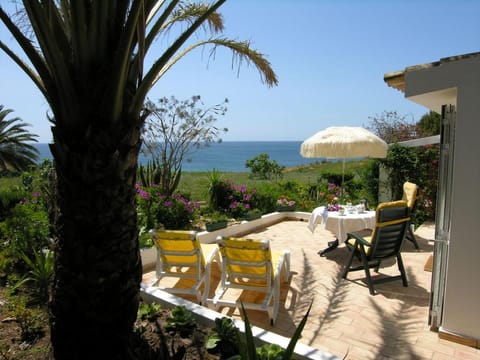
<point x="345" y="320"/>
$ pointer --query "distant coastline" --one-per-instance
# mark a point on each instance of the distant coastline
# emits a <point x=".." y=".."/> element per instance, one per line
<point x="229" y="156"/>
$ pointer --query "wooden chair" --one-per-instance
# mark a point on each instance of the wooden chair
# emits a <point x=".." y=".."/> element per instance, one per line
<point x="392" y="220"/>
<point x="250" y="265"/>
<point x="180" y="255"/>
<point x="410" y="196"/>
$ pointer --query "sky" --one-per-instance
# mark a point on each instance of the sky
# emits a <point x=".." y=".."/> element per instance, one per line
<point x="330" y="57"/>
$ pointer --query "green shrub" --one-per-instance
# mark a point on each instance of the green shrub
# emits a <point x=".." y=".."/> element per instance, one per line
<point x="28" y="228"/>
<point x="336" y="177"/>
<point x="263" y="168"/>
<point x="420" y="166"/>
<point x="217" y="188"/>
<point x="225" y="338"/>
<point x="29" y="320"/>
<point x="369" y="177"/>
<point x="219" y="192"/>
<point x="181" y="321"/>
<point x="9" y="198"/>
<point x="148" y="311"/>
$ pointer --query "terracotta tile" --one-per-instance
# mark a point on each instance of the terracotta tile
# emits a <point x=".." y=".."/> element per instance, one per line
<point x="344" y="317"/>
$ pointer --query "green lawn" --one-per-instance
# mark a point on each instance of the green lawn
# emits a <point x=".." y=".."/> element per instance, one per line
<point x="195" y="183"/>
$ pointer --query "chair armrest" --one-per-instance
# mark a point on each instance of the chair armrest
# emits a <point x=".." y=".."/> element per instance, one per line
<point x="215" y="254"/>
<point x="358" y="238"/>
<point x="283" y="264"/>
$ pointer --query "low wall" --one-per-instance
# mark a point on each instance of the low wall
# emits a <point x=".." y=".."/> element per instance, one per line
<point x="242" y="229"/>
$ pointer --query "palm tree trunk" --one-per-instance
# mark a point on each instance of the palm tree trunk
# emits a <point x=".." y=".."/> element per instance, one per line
<point x="97" y="266"/>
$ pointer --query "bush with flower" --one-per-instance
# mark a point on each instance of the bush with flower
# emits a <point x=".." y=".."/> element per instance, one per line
<point x="240" y="201"/>
<point x="157" y="210"/>
<point x="231" y="199"/>
<point x="328" y="194"/>
<point x="285" y="202"/>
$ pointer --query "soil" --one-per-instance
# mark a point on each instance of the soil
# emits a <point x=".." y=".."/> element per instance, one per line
<point x="155" y="340"/>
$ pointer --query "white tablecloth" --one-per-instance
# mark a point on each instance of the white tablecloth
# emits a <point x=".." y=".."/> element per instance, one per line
<point x="340" y="225"/>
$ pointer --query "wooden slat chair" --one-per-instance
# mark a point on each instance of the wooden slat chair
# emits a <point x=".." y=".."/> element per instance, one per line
<point x="181" y="255"/>
<point x="392" y="220"/>
<point x="410" y="196"/>
<point x="250" y="265"/>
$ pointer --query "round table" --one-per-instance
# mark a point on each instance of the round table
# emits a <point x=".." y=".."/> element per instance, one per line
<point x="340" y="225"/>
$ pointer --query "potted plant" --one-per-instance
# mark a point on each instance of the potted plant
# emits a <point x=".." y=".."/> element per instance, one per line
<point x="216" y="221"/>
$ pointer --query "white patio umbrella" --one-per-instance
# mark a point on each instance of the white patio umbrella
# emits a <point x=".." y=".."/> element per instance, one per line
<point x="344" y="142"/>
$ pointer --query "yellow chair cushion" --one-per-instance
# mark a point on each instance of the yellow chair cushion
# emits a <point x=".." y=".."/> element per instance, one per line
<point x="181" y="242"/>
<point x="255" y="253"/>
<point x="410" y="193"/>
<point x="368" y="249"/>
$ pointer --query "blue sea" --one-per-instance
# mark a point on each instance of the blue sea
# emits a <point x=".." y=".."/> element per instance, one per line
<point x="230" y="156"/>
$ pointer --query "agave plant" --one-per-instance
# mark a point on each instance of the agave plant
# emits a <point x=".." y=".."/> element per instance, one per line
<point x="88" y="60"/>
<point x="249" y="351"/>
<point x="40" y="274"/>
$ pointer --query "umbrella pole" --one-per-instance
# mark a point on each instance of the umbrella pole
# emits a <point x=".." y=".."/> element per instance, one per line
<point x="343" y="178"/>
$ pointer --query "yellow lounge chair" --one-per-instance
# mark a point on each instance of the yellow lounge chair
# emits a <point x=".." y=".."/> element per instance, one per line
<point x="250" y="265"/>
<point x="180" y="255"/>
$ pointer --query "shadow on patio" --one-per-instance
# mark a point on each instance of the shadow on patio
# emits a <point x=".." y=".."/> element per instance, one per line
<point x="345" y="319"/>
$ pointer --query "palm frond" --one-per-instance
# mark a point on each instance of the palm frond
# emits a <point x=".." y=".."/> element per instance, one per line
<point x="159" y="23"/>
<point x="34" y="56"/>
<point x="117" y="84"/>
<point x="192" y="11"/>
<point x="59" y="81"/>
<point x="241" y="52"/>
<point x="148" y="80"/>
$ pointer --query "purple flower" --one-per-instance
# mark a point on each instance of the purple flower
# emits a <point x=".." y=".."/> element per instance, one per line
<point x="143" y="194"/>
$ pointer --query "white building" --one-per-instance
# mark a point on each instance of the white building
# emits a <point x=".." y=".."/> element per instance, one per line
<point x="451" y="87"/>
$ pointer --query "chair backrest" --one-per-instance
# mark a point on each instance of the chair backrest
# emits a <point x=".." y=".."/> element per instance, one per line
<point x="246" y="259"/>
<point x="410" y="193"/>
<point x="392" y="219"/>
<point x="179" y="248"/>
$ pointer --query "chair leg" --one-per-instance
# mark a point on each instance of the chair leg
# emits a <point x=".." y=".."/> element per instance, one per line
<point x="402" y="270"/>
<point x="367" y="274"/>
<point x="276" y="302"/>
<point x="411" y="237"/>
<point x="349" y="263"/>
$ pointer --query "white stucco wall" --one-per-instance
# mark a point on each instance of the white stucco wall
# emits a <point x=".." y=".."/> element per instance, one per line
<point x="458" y="82"/>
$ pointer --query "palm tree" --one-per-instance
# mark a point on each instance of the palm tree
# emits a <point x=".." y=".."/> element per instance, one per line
<point x="16" y="153"/>
<point x="87" y="58"/>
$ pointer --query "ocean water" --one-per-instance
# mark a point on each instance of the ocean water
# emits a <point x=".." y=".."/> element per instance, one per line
<point x="230" y="156"/>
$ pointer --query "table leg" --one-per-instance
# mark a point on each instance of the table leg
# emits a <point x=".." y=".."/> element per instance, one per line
<point x="332" y="245"/>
